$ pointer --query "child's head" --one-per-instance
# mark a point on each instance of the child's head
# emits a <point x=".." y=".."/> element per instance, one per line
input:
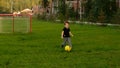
<point x="66" y="24"/>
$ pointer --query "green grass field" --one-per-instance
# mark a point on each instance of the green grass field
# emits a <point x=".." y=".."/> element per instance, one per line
<point x="93" y="47"/>
<point x="21" y="24"/>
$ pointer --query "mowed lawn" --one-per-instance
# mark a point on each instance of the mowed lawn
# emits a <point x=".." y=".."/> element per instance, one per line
<point x="93" y="47"/>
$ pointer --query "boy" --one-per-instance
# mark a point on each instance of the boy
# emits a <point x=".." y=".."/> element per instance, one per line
<point x="66" y="34"/>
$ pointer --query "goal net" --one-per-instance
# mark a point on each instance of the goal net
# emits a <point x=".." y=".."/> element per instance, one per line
<point x="15" y="23"/>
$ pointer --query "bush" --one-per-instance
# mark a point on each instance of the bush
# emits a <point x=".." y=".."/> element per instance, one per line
<point x="101" y="17"/>
<point x="41" y="17"/>
<point x="46" y="17"/>
<point x="116" y="18"/>
<point x="71" y="14"/>
<point x="61" y="17"/>
<point x="4" y="10"/>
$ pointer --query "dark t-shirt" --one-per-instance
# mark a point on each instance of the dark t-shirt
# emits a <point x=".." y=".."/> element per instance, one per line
<point x="66" y="32"/>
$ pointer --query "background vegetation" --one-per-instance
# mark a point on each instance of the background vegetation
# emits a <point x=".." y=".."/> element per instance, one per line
<point x="17" y="5"/>
<point x="103" y="11"/>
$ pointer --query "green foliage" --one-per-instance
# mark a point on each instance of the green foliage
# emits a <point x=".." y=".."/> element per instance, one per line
<point x="62" y="10"/>
<point x="41" y="17"/>
<point x="61" y="17"/>
<point x="100" y="10"/>
<point x="45" y="3"/>
<point x="88" y="7"/>
<point x="3" y="10"/>
<point x="71" y="14"/>
<point x="101" y="17"/>
<point x="62" y="7"/>
<point x="18" y="5"/>
<point x="90" y="17"/>
<point x="44" y="16"/>
<point x="116" y="18"/>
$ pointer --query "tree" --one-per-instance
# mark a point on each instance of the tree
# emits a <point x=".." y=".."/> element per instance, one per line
<point x="17" y="5"/>
<point x="4" y="6"/>
<point x="88" y="7"/>
<point x="62" y="10"/>
<point x="45" y="3"/>
<point x="101" y="17"/>
<point x="116" y="18"/>
<point x="96" y="8"/>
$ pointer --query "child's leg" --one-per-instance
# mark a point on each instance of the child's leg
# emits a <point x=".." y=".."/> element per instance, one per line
<point x="64" y="42"/>
<point x="69" y="42"/>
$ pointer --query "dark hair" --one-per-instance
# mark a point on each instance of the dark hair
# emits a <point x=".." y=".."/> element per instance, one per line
<point x="66" y="22"/>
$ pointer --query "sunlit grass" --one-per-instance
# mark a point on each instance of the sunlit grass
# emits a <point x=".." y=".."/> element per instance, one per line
<point x="93" y="47"/>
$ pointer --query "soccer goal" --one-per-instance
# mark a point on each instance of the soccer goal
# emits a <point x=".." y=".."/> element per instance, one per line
<point x="15" y="23"/>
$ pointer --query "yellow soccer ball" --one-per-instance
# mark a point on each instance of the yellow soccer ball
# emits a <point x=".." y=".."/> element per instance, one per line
<point x="68" y="48"/>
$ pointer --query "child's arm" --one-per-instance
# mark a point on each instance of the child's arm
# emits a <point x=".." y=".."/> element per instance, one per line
<point x="71" y="34"/>
<point x="62" y="34"/>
